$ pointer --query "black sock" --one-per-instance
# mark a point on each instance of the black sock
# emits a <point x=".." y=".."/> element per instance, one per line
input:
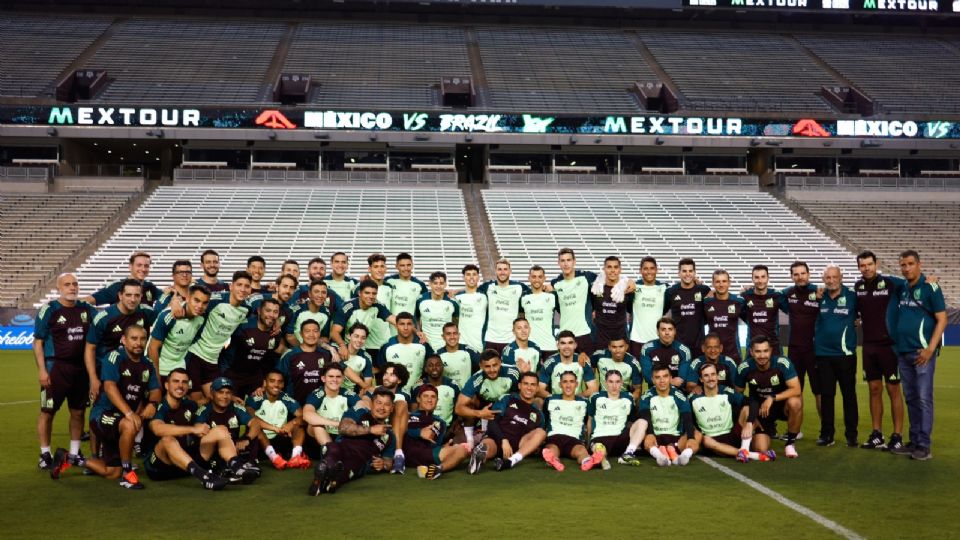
<point x="791" y="437"/>
<point x="235" y="464"/>
<point x="197" y="471"/>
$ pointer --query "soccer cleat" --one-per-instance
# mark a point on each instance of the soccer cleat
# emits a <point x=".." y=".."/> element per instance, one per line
<point x="629" y="459"/>
<point x="895" y="444"/>
<point x="240" y="476"/>
<point x="213" y="482"/>
<point x="279" y="463"/>
<point x="825" y="441"/>
<point x="399" y="464"/>
<point x="432" y="472"/>
<point x="60" y="463"/>
<point x="46" y="462"/>
<point x="874" y="441"/>
<point x="77" y="460"/>
<point x="299" y="462"/>
<point x="743" y="456"/>
<point x="477" y="456"/>
<point x="502" y="464"/>
<point x="671" y="452"/>
<point x="598" y="457"/>
<point x="332" y="474"/>
<point x="790" y="451"/>
<point x="320" y="479"/>
<point x="552" y="460"/>
<point x="769" y="455"/>
<point x="131" y="481"/>
<point x="921" y="454"/>
<point x="253" y="468"/>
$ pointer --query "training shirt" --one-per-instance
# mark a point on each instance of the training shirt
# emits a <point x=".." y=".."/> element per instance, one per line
<point x="220" y="322"/>
<point x="716" y="415"/>
<point x="459" y="365"/>
<point x="767" y="383"/>
<point x="874" y="299"/>
<point x="553" y="368"/>
<point x="490" y="390"/>
<point x="344" y="288"/>
<point x="566" y="417"/>
<point x="503" y="307"/>
<point x="473" y="318"/>
<point x="686" y="309"/>
<point x="762" y="315"/>
<point x="515" y="417"/>
<point x="447" y="393"/>
<point x="649" y="305"/>
<point x="835" y="334"/>
<point x="630" y="369"/>
<point x="409" y="355"/>
<point x="914" y="316"/>
<point x="110" y="294"/>
<point x="252" y="351"/>
<point x="655" y="353"/>
<point x="367" y="446"/>
<point x="301" y="370"/>
<point x="802" y="306"/>
<point x="302" y="313"/>
<point x="433" y="314"/>
<point x="181" y="416"/>
<point x="287" y="316"/>
<point x="352" y="313"/>
<point x="726" y="370"/>
<point x="609" y="417"/>
<point x="575" y="306"/>
<point x="361" y="363"/>
<point x="234" y="417"/>
<point x="275" y="413"/>
<point x="419" y="420"/>
<point x="135" y="379"/>
<point x="665" y="413"/>
<point x="332" y="408"/>
<point x="539" y="309"/>
<point x="406" y="292"/>
<point x="723" y="319"/>
<point x="63" y="330"/>
<point x="110" y="324"/>
<point x="609" y="316"/>
<point x="333" y="303"/>
<point x="176" y="336"/>
<point x="531" y="354"/>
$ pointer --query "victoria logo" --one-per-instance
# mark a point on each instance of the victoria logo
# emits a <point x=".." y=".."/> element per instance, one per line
<point x="274" y="119"/>
<point x="809" y="128"/>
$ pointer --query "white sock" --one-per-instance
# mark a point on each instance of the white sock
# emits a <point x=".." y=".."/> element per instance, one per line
<point x="468" y="433"/>
<point x="517" y="457"/>
<point x="631" y="449"/>
<point x="745" y="444"/>
<point x="483" y="425"/>
<point x="297" y="450"/>
<point x="656" y="453"/>
<point x="754" y="456"/>
<point x="139" y="436"/>
<point x="271" y="453"/>
<point x="398" y="453"/>
<point x="74" y="447"/>
<point x="687" y="453"/>
<point x="45" y="449"/>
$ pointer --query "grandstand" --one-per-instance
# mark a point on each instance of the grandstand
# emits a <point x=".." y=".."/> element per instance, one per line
<point x="727" y="229"/>
<point x="282" y="223"/>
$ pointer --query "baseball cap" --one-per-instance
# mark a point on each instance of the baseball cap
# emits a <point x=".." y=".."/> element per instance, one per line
<point x="220" y="383"/>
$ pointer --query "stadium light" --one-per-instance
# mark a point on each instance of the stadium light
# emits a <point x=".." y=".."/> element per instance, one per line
<point x="659" y="141"/>
<point x="52" y="132"/>
<point x="573" y="139"/>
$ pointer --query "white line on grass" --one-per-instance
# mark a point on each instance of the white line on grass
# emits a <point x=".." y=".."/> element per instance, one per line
<point x="19" y="402"/>
<point x="796" y="507"/>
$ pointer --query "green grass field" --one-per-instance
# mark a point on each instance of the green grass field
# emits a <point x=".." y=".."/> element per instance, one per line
<point x="873" y="494"/>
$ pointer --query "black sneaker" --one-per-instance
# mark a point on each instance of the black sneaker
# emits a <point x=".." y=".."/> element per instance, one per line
<point x="921" y="454"/>
<point x="77" y="460"/>
<point x="213" y="482"/>
<point x="253" y="468"/>
<point x="319" y="483"/>
<point x="60" y="463"/>
<point x="502" y="464"/>
<point x="874" y="441"/>
<point x="896" y="443"/>
<point x="46" y="462"/>
<point x="904" y="449"/>
<point x="825" y="441"/>
<point x="332" y="474"/>
<point x="852" y="442"/>
<point x="240" y="476"/>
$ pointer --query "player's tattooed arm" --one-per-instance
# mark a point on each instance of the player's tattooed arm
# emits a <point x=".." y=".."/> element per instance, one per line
<point x="350" y="428"/>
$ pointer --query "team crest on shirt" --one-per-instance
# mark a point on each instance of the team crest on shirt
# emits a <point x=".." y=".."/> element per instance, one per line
<point x="187" y="415"/>
<point x="731" y="308"/>
<point x="140" y="323"/>
<point x="812" y="297"/>
<point x="533" y="417"/>
<point x="675" y="359"/>
<point x="842" y="302"/>
<point x="83" y="317"/>
<point x="272" y="344"/>
<point x="882" y="284"/>
<point x="862" y="286"/>
<point x="233" y="423"/>
<point x="697" y="297"/>
<point x="916" y="294"/>
<point x="769" y="302"/>
<point x="145" y="376"/>
<point x="775" y="380"/>
<point x="62" y="320"/>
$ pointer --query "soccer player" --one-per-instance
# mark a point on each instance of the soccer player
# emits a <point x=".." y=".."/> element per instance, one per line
<point x="615" y="357"/>
<point x="562" y="362"/>
<point x="364" y="443"/>
<point x="538" y="308"/>
<point x="254" y="349"/>
<point x="377" y="272"/>
<point x="460" y="361"/>
<point x="685" y="303"/>
<point x="394" y="377"/>
<point x="611" y="303"/>
<point x="290" y="267"/>
<point x="139" y="271"/>
<point x="611" y="411"/>
<point x="568" y="426"/>
<point x="667" y="413"/>
<point x="357" y="364"/>
<point x="363" y="309"/>
<point x="717" y="410"/>
<point x="286" y="287"/>
<point x="515" y="428"/>
<point x="225" y="313"/>
<point x="493" y="381"/>
<point x="435" y="309"/>
<point x="301" y="366"/>
<point x="210" y="261"/>
<point x="279" y="419"/>
<point x="256" y="268"/>
<point x="104" y="334"/>
<point x="800" y="302"/>
<point x="447" y="390"/>
<point x="425" y="435"/>
<point x="170" y="337"/>
<point x="131" y="393"/>
<point x="326" y="405"/>
<point x="725" y="367"/>
<point x="338" y="280"/>
<point x="223" y="410"/>
<point x="317" y="271"/>
<point x="58" y="348"/>
<point x="649" y="303"/>
<point x="921" y="318"/>
<point x="176" y="295"/>
<point x="174" y="443"/>
<point x="875" y="293"/>
<point x="835" y="343"/>
<point x="761" y="310"/>
<point x="665" y="350"/>
<point x="313" y="309"/>
<point x="473" y="308"/>
<point x="774" y="394"/>
<point x="522" y="352"/>
<point x="573" y="295"/>
<point x="503" y="307"/>
<point x="405" y="349"/>
<point x="722" y="312"/>
<point x="406" y="288"/>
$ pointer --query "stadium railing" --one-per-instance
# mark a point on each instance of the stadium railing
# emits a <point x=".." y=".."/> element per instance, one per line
<point x="25" y="174"/>
<point x="645" y="181"/>
<point x="237" y="176"/>
<point x="871" y="183"/>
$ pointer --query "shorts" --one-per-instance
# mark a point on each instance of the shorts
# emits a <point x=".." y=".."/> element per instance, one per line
<point x="107" y="430"/>
<point x="731" y="438"/>
<point x="282" y="445"/>
<point x="564" y="443"/>
<point x="495" y="346"/>
<point x="244" y="384"/>
<point x="667" y="440"/>
<point x="585" y="344"/>
<point x="200" y="371"/>
<point x="805" y="362"/>
<point x="67" y="382"/>
<point x="768" y="425"/>
<point x="616" y="444"/>
<point x="418" y="452"/>
<point x="158" y="470"/>
<point x="879" y="361"/>
<point x="354" y="464"/>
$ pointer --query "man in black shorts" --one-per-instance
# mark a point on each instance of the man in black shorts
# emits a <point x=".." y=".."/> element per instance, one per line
<point x="515" y="432"/>
<point x="723" y="419"/>
<point x="611" y="412"/>
<point x="800" y="302"/>
<point x="774" y="394"/>
<point x="423" y="444"/>
<point x="568" y="427"/>
<point x="667" y="412"/>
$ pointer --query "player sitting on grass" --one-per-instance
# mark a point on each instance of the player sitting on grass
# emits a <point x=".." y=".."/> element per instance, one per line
<point x="721" y="413"/>
<point x="425" y="435"/>
<point x="774" y="394"/>
<point x="611" y="412"/>
<point x="224" y="411"/>
<point x="326" y="406"/>
<point x="568" y="426"/>
<point x="667" y="412"/>
<point x="279" y="418"/>
<point x="515" y="431"/>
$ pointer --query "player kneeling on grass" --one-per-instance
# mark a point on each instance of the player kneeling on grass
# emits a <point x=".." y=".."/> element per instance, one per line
<point x="774" y="394"/>
<point x="129" y="397"/>
<point x="326" y="406"/>
<point x="515" y="431"/>
<point x="279" y="418"/>
<point x="365" y="442"/>
<point x="425" y="435"/>
<point x="611" y="412"/>
<point x="175" y="443"/>
<point x="717" y="411"/>
<point x="224" y="411"/>
<point x="394" y="378"/>
<point x="568" y="426"/>
<point x="667" y="412"/>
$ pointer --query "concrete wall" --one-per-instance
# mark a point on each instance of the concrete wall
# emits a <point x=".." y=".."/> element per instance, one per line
<point x="864" y="195"/>
<point x="97" y="183"/>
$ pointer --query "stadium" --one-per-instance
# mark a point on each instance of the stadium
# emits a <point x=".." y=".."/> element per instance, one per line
<point x="736" y="133"/>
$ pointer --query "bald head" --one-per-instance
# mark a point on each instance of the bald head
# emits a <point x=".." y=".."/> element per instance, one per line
<point x="68" y="287"/>
<point x="832" y="278"/>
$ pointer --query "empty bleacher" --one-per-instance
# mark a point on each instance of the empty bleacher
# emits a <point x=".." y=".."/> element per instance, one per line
<point x="561" y="70"/>
<point x="880" y="227"/>
<point x="904" y="74"/>
<point x="739" y="71"/>
<point x="45" y="47"/>
<point x="281" y="223"/>
<point x="40" y="232"/>
<point x="187" y="61"/>
<point x="729" y="230"/>
<point x="377" y="65"/>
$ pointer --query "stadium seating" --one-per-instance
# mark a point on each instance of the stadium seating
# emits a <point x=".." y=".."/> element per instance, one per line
<point x="728" y="229"/>
<point x="879" y="227"/>
<point x="41" y="231"/>
<point x="290" y="222"/>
